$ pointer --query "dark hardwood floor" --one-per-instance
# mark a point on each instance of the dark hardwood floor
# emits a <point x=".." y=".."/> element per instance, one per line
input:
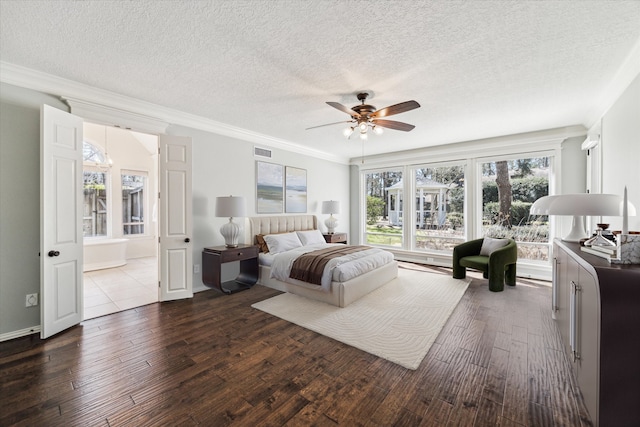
<point x="215" y="361"/>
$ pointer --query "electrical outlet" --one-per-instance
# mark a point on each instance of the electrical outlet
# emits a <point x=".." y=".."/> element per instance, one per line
<point x="196" y="268"/>
<point x="31" y="300"/>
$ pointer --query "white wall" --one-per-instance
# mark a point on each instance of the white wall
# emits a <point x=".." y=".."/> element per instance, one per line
<point x="20" y="205"/>
<point x="224" y="166"/>
<point x="621" y="152"/>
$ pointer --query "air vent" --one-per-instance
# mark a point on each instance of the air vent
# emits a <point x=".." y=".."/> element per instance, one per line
<point x="261" y="152"/>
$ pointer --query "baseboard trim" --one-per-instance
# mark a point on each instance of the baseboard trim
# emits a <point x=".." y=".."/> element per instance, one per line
<point x="20" y="333"/>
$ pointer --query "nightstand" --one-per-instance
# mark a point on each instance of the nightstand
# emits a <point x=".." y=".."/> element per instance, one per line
<point x="336" y="238"/>
<point x="214" y="257"/>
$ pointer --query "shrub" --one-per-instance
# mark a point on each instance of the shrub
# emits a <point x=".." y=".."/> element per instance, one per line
<point x="375" y="209"/>
<point x="518" y="214"/>
<point x="528" y="189"/>
<point x="456" y="219"/>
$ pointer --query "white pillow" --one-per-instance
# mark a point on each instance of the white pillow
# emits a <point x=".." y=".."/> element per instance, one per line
<point x="489" y="245"/>
<point x="310" y="237"/>
<point x="282" y="242"/>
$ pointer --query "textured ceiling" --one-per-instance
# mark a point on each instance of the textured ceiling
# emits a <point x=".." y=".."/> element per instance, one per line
<point x="478" y="68"/>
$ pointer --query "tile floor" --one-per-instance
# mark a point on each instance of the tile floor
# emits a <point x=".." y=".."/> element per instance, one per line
<point x="117" y="289"/>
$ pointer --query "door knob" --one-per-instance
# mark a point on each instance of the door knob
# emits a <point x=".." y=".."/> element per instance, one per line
<point x="53" y="253"/>
<point x="187" y="240"/>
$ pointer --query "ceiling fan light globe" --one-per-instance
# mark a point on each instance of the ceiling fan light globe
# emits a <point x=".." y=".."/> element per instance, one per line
<point x="362" y="126"/>
<point x="347" y="132"/>
<point x="378" y="130"/>
<point x="363" y="136"/>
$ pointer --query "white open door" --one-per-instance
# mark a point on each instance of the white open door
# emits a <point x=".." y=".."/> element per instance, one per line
<point x="60" y="221"/>
<point x="175" y="218"/>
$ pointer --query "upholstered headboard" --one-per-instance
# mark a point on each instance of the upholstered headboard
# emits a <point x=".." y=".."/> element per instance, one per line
<point x="280" y="224"/>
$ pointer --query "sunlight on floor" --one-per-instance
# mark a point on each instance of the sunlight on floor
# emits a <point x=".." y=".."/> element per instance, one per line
<point x="117" y="289"/>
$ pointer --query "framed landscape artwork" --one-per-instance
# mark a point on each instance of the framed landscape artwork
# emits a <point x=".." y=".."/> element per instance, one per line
<point x="269" y="187"/>
<point x="295" y="190"/>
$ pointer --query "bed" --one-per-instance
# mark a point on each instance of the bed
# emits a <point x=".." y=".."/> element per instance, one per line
<point x="341" y="288"/>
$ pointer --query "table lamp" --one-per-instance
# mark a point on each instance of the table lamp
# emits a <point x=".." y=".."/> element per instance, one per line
<point x="330" y="207"/>
<point x="230" y="207"/>
<point x="578" y="206"/>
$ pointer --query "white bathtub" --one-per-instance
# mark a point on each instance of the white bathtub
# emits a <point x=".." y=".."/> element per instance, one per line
<point x="104" y="253"/>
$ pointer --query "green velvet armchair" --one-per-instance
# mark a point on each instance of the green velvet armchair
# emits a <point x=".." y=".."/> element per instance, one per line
<point x="498" y="267"/>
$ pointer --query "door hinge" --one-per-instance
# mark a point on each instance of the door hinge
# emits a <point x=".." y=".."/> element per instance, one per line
<point x="159" y="284"/>
<point x="158" y="239"/>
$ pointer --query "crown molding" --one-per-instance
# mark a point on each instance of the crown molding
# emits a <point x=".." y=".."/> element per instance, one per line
<point x="109" y="106"/>
<point x="549" y="139"/>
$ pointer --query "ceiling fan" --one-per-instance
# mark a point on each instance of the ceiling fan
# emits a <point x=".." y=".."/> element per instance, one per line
<point x="365" y="116"/>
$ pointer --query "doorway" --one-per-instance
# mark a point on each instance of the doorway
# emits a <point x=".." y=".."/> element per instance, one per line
<point x="120" y="230"/>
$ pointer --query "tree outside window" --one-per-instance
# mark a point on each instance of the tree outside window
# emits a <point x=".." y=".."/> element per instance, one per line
<point x="509" y="188"/>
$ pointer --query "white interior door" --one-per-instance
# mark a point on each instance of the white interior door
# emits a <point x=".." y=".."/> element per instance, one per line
<point x="60" y="221"/>
<point x="175" y="218"/>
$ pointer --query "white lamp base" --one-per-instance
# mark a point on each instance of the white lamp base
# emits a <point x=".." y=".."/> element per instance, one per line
<point x="331" y="224"/>
<point x="231" y="232"/>
<point x="577" y="232"/>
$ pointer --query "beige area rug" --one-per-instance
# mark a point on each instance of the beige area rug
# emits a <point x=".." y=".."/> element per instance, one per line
<point x="398" y="322"/>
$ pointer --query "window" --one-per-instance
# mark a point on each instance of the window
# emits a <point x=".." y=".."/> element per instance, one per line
<point x="95" y="178"/>
<point x="133" y="203"/>
<point x="439" y="208"/>
<point x="384" y="203"/>
<point x="509" y="188"/>
<point x="94" y="219"/>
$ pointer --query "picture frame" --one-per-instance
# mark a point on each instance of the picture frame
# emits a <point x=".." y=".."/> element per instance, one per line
<point x="295" y="190"/>
<point x="269" y="187"/>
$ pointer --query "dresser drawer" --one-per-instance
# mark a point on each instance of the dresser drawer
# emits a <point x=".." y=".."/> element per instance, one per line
<point x="239" y="254"/>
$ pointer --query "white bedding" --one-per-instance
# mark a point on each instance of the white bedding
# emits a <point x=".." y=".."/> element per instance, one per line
<point x="338" y="269"/>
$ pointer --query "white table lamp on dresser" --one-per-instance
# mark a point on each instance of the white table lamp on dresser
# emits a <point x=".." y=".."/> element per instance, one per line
<point x="230" y="207"/>
<point x="331" y="207"/>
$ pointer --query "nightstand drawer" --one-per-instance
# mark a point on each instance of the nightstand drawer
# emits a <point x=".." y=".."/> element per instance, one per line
<point x="335" y="238"/>
<point x="239" y="254"/>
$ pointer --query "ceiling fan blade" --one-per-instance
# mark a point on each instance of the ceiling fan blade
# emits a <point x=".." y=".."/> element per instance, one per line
<point x="392" y="124"/>
<point x="344" y="109"/>
<point x="329" y="124"/>
<point x="396" y="109"/>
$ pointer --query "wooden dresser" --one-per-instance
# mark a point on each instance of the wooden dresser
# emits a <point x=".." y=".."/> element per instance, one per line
<point x="597" y="309"/>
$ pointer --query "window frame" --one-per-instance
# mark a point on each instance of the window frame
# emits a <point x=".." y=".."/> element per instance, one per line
<point x="105" y="167"/>
<point x="145" y="200"/>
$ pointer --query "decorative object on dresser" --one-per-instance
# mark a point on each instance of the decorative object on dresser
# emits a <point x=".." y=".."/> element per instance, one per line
<point x="595" y="305"/>
<point x="214" y="257"/>
<point x="230" y="207"/>
<point x="331" y="207"/>
<point x="335" y="238"/>
<point x="578" y="206"/>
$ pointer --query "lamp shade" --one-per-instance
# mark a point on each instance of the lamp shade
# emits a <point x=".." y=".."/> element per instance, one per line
<point x="589" y="204"/>
<point x="579" y="205"/>
<point x="230" y="206"/>
<point x="331" y="207"/>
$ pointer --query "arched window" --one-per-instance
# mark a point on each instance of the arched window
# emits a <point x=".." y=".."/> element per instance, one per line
<point x="92" y="154"/>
